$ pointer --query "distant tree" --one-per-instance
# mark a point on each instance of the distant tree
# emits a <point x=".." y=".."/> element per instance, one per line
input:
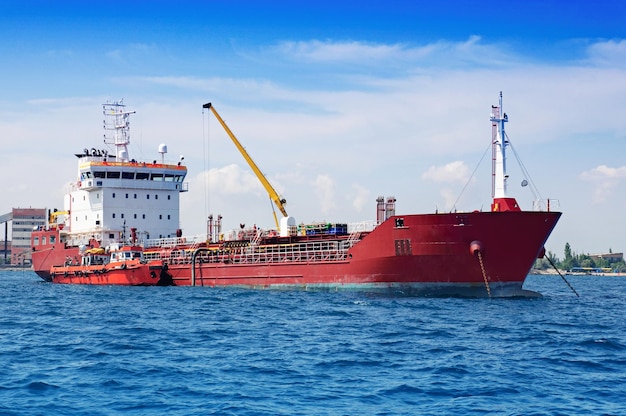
<point x="586" y="261"/>
<point x="568" y="261"/>
<point x="573" y="259"/>
<point x="552" y="257"/>
<point x="568" y="252"/>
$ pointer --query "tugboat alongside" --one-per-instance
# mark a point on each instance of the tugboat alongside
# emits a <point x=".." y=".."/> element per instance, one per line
<point x="465" y="254"/>
<point x="114" y="265"/>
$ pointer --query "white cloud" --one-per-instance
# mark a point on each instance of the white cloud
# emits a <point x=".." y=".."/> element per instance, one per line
<point x="231" y="179"/>
<point x="133" y="52"/>
<point x="360" y="198"/>
<point x="605" y="172"/>
<point x="319" y="51"/>
<point x="206" y="84"/>
<point x="452" y="172"/>
<point x="324" y="187"/>
<point x="447" y="53"/>
<point x="604" y="180"/>
<point x="60" y="53"/>
<point x="611" y="52"/>
<point x="449" y="198"/>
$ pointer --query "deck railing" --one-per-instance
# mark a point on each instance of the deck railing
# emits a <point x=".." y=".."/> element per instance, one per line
<point x="311" y="251"/>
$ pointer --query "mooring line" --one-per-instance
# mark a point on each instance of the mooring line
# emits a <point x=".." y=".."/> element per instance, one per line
<point x="562" y="277"/>
<point x="482" y="268"/>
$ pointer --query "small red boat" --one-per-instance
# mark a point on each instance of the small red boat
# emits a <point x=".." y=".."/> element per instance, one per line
<point x="124" y="266"/>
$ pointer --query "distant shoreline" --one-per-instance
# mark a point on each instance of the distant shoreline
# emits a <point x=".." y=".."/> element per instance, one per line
<point x="16" y="268"/>
<point x="563" y="272"/>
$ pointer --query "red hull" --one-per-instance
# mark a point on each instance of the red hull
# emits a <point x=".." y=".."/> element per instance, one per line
<point x="414" y="254"/>
<point x="428" y="254"/>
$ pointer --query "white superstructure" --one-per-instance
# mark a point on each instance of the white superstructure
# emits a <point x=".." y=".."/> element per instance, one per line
<point x="114" y="193"/>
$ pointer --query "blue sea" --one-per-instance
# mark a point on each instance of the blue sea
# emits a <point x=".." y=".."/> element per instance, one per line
<point x="79" y="350"/>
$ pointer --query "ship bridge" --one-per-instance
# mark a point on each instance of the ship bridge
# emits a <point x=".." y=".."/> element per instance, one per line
<point x="113" y="192"/>
<point x="139" y="175"/>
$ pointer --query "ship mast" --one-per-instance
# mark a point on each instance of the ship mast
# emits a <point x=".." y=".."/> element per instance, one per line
<point x="499" y="144"/>
<point x="117" y="128"/>
<point x="501" y="201"/>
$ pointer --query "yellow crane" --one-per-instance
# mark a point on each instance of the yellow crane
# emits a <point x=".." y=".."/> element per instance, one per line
<point x="52" y="216"/>
<point x="274" y="196"/>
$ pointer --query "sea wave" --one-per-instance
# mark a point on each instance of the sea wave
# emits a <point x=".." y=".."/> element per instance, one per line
<point x="185" y="351"/>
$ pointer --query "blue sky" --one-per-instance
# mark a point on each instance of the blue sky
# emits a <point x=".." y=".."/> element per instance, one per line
<point x="337" y="103"/>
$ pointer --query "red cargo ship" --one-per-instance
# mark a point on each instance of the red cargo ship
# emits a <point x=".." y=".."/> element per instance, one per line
<point x="467" y="254"/>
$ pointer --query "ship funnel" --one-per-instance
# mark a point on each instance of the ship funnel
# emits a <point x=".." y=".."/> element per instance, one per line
<point x="380" y="210"/>
<point x="390" y="207"/>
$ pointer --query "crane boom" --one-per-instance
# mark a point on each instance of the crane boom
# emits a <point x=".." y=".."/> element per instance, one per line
<point x="274" y="196"/>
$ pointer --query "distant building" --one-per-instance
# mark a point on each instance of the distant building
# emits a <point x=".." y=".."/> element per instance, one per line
<point x="611" y="257"/>
<point x="23" y="220"/>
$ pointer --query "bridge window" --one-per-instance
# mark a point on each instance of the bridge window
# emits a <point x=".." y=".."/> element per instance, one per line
<point x="128" y="175"/>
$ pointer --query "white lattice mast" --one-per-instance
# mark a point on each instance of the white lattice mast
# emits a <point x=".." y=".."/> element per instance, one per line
<point x="117" y="128"/>
<point x="498" y="118"/>
<point x="501" y="200"/>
